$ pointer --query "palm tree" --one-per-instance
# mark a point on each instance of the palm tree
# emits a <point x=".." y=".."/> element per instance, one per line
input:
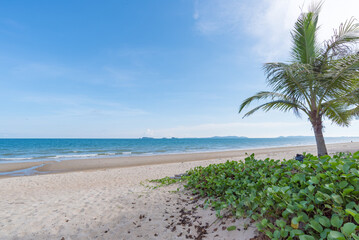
<point x="317" y="78"/>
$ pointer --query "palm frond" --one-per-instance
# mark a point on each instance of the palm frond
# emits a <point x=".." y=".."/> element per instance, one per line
<point x="341" y="42"/>
<point x="351" y="98"/>
<point x="337" y="113"/>
<point x="341" y="77"/>
<point x="281" y="105"/>
<point x="259" y="96"/>
<point x="290" y="79"/>
<point x="354" y="111"/>
<point x="305" y="48"/>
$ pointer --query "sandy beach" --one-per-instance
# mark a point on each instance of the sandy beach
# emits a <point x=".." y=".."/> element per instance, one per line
<point x="110" y="198"/>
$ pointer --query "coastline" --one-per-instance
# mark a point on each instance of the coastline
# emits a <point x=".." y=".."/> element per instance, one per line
<point x="113" y="202"/>
<point x="48" y="167"/>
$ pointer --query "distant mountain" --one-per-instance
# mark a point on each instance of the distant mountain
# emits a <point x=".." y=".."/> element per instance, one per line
<point x="227" y="137"/>
<point x="294" y="136"/>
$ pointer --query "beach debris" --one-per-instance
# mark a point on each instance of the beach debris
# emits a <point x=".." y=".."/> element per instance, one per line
<point x="179" y="176"/>
<point x="299" y="157"/>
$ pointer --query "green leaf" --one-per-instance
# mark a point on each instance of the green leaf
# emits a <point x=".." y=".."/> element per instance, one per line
<point x="306" y="237"/>
<point x="338" y="199"/>
<point x="303" y="217"/>
<point x="348" y="228"/>
<point x="284" y="233"/>
<point x="348" y="190"/>
<point x="316" y="226"/>
<point x="276" y="234"/>
<point x="325" y="233"/>
<point x="314" y="180"/>
<point x="343" y="184"/>
<point x="356" y="237"/>
<point x="264" y="221"/>
<point x="346" y="168"/>
<point x="336" y="235"/>
<point x="324" y="221"/>
<point x="280" y="223"/>
<point x="336" y="221"/>
<point x="231" y="228"/>
<point x="295" y="220"/>
<point x="299" y="177"/>
<point x="350" y="205"/>
<point x="310" y="208"/>
<point x="351" y="212"/>
<point x="320" y="196"/>
<point x="296" y="232"/>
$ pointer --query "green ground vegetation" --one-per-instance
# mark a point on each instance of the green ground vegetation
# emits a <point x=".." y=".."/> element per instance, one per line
<point x="314" y="199"/>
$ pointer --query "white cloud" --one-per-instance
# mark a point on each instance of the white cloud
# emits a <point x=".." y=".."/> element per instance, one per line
<point x="248" y="129"/>
<point x="217" y="16"/>
<point x="268" y="22"/>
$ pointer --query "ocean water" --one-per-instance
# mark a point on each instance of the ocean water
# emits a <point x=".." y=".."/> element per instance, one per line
<point x="23" y="150"/>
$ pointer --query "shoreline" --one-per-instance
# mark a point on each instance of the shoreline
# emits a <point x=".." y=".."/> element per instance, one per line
<point x="92" y="164"/>
<point x="115" y="202"/>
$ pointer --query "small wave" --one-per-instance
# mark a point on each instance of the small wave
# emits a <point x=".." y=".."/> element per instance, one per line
<point x="126" y="153"/>
<point x="44" y="157"/>
<point x="75" y="156"/>
<point x="110" y="154"/>
<point x="14" y="159"/>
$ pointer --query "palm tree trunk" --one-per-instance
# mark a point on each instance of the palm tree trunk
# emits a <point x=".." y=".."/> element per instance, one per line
<point x="319" y="138"/>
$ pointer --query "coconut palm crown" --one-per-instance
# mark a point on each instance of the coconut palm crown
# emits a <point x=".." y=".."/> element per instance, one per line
<point x="318" y="77"/>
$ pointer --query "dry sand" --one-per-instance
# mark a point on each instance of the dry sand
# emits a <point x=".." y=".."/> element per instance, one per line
<point x="105" y="202"/>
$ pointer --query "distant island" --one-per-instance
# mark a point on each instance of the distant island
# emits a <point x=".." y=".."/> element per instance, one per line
<point x="227" y="137"/>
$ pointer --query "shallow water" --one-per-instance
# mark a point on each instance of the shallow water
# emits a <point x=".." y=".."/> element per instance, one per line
<point x="23" y="150"/>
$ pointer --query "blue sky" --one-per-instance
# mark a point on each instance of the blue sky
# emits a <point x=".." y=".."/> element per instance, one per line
<point x="146" y="68"/>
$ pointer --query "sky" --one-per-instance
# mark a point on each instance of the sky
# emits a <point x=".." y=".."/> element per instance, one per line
<point x="128" y="69"/>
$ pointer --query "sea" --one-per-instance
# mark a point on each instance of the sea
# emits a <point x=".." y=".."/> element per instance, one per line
<point x="33" y="150"/>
